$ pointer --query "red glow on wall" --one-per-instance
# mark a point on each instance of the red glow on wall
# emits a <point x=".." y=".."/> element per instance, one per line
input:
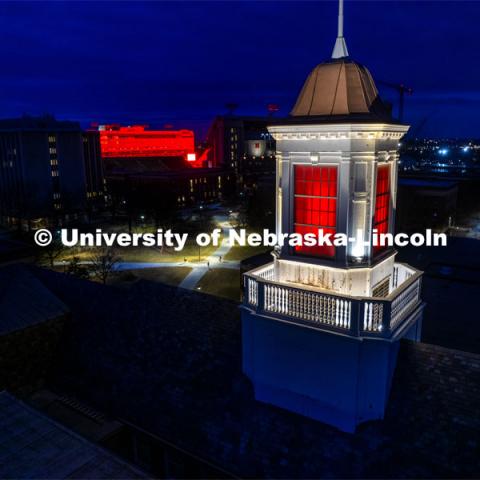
<point x="315" y="205"/>
<point x="138" y="141"/>
<point x="382" y="203"/>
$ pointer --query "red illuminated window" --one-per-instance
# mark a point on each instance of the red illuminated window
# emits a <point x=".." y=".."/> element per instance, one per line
<point x="315" y="205"/>
<point x="382" y="203"/>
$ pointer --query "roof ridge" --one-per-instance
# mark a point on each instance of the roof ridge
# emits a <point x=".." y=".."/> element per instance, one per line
<point x="342" y="67"/>
<point x="314" y="88"/>
<point x="364" y="87"/>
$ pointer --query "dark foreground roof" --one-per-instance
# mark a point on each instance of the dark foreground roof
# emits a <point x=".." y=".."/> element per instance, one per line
<point x="34" y="446"/>
<point x="25" y="301"/>
<point x="169" y="361"/>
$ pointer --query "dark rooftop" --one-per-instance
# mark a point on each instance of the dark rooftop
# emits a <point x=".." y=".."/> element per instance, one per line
<point x="424" y="183"/>
<point x="450" y="286"/>
<point x="34" y="446"/>
<point x="169" y="361"/>
<point x="25" y="301"/>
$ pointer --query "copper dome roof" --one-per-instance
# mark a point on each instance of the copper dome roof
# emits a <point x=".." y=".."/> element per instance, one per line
<point x="339" y="87"/>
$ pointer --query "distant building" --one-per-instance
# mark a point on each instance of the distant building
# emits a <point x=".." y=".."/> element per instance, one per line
<point x="150" y="190"/>
<point x="94" y="172"/>
<point x="155" y="170"/>
<point x="425" y="203"/>
<point x="47" y="169"/>
<point x="138" y="142"/>
<point x="243" y="146"/>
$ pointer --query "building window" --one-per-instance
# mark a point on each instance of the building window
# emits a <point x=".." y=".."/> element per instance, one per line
<point x="315" y="205"/>
<point x="382" y="203"/>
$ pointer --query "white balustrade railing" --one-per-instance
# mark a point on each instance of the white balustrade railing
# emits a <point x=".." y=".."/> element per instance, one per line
<point x="307" y="305"/>
<point x="404" y="302"/>
<point x="373" y="316"/>
<point x="267" y="272"/>
<point x="252" y="291"/>
<point x="401" y="273"/>
<point x="355" y="315"/>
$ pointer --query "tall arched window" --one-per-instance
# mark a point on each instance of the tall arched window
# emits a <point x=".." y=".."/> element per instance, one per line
<point x="382" y="203"/>
<point x="315" y="206"/>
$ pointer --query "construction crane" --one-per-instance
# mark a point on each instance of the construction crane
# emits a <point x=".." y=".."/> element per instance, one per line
<point x="402" y="90"/>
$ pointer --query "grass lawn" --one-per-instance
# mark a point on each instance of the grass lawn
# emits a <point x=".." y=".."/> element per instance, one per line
<point x="169" y="275"/>
<point x="145" y="254"/>
<point x="238" y="253"/>
<point x="221" y="282"/>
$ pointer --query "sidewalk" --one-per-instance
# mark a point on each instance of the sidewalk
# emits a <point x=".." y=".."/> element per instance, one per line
<point x="213" y="261"/>
<point x="198" y="269"/>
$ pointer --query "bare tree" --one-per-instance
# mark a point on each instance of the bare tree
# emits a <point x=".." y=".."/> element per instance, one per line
<point x="103" y="264"/>
<point x="76" y="269"/>
<point x="52" y="252"/>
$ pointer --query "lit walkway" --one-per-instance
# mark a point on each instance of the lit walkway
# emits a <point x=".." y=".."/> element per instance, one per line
<point x="213" y="261"/>
<point x="122" y="266"/>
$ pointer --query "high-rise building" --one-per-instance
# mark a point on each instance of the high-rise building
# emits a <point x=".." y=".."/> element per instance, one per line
<point x="243" y="146"/>
<point x="47" y="167"/>
<point x="94" y="170"/>
<point x="321" y="325"/>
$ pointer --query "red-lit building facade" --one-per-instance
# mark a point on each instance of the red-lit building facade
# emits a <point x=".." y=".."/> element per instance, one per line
<point x="152" y="169"/>
<point x="138" y="141"/>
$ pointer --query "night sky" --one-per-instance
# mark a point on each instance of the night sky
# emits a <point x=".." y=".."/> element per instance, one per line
<point x="179" y="63"/>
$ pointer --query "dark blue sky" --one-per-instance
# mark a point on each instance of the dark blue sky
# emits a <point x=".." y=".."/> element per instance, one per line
<point x="179" y="63"/>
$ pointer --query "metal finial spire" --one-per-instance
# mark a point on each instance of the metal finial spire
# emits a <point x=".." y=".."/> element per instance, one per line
<point x="340" y="48"/>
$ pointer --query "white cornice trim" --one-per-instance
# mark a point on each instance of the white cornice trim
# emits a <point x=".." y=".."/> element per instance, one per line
<point x="346" y="131"/>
